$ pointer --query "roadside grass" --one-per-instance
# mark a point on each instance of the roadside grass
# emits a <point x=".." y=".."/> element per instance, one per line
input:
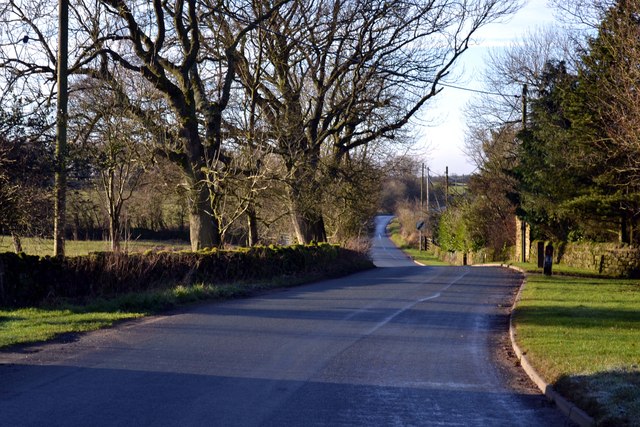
<point x="31" y="325"/>
<point x="43" y="247"/>
<point x="583" y="336"/>
<point x="423" y="257"/>
<point x="60" y="317"/>
<point x="558" y="269"/>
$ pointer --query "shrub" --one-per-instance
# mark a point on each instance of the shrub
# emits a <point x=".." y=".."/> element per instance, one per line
<point x="29" y="280"/>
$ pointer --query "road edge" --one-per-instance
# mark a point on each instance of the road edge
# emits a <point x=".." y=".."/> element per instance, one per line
<point x="565" y="406"/>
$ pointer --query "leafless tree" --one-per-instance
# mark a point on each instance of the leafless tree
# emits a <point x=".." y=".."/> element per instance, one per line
<point x="115" y="146"/>
<point x="507" y="71"/>
<point x="338" y="75"/>
<point x="610" y="71"/>
<point x="174" y="48"/>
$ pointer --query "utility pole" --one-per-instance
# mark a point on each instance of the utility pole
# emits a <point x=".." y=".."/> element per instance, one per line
<point x="60" y="186"/>
<point x="422" y="190"/>
<point x="523" y="224"/>
<point x="421" y="204"/>
<point x="446" y="186"/>
<point x="427" y="191"/>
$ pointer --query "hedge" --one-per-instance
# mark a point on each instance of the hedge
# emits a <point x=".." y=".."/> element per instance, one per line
<point x="31" y="281"/>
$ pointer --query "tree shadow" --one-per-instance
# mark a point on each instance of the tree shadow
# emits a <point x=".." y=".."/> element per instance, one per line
<point x="574" y="317"/>
<point x="75" y="396"/>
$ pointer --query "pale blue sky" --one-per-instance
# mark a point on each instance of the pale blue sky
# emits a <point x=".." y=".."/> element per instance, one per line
<point x="441" y="144"/>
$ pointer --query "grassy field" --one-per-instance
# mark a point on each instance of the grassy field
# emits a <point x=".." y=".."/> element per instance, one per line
<point x="42" y="247"/>
<point x="583" y="335"/>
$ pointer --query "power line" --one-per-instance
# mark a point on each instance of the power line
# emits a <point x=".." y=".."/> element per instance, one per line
<point x="484" y="92"/>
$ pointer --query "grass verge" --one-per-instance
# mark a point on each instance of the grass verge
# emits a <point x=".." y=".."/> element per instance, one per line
<point x="558" y="269"/>
<point x="30" y="325"/>
<point x="60" y="318"/>
<point x="583" y="336"/>
<point x="423" y="257"/>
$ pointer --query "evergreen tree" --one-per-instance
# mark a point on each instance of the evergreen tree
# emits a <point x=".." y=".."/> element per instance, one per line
<point x="605" y="114"/>
<point x="548" y="177"/>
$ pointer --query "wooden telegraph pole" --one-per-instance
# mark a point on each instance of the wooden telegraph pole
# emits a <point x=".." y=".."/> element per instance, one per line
<point x="523" y="224"/>
<point x="446" y="186"/>
<point x="60" y="187"/>
<point x="427" y="192"/>
<point x="421" y="205"/>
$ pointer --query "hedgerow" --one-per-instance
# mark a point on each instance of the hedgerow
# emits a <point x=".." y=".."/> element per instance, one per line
<point x="31" y="281"/>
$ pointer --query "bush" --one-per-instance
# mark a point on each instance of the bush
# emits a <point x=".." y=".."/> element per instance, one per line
<point x="30" y="280"/>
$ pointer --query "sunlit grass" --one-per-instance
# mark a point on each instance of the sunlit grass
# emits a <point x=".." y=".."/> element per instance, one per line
<point x="43" y="247"/>
<point x="583" y="333"/>
<point x="560" y="269"/>
<point x="35" y="324"/>
<point x="424" y="257"/>
<point x="31" y="325"/>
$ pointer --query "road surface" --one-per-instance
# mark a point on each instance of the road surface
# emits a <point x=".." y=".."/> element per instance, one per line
<point x="399" y="345"/>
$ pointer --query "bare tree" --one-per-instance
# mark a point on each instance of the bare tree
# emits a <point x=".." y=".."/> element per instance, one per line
<point x="25" y="169"/>
<point x="175" y="49"/>
<point x="507" y="71"/>
<point x="338" y="75"/>
<point x="114" y="144"/>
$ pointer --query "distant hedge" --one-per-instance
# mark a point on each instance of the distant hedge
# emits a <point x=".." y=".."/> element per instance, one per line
<point x="31" y="281"/>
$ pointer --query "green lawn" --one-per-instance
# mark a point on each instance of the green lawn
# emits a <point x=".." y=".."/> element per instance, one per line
<point x="583" y="335"/>
<point x="42" y="247"/>
<point x="34" y="324"/>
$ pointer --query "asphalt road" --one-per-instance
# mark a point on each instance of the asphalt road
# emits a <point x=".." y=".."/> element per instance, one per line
<point x="399" y="345"/>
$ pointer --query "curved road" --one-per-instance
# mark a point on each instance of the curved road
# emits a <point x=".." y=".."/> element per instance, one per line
<point x="399" y="345"/>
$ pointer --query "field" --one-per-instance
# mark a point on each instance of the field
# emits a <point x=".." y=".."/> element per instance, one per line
<point x="43" y="247"/>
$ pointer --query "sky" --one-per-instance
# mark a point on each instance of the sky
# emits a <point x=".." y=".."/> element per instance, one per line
<point x="441" y="139"/>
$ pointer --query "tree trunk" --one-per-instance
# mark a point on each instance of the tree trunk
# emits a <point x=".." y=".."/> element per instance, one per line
<point x="252" y="223"/>
<point x="624" y="234"/>
<point x="203" y="227"/>
<point x="305" y="200"/>
<point x="306" y="215"/>
<point x="309" y="227"/>
<point x="17" y="243"/>
<point x="114" y="233"/>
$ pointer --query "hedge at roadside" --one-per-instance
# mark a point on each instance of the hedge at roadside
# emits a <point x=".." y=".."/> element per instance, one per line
<point x="31" y="281"/>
